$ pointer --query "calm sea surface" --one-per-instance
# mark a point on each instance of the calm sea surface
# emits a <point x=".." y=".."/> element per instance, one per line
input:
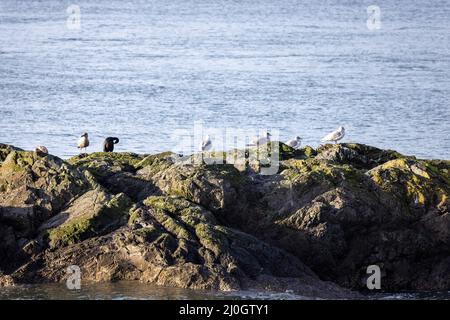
<point x="141" y="69"/>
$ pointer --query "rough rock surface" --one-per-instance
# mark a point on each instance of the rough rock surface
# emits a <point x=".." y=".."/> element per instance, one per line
<point x="313" y="227"/>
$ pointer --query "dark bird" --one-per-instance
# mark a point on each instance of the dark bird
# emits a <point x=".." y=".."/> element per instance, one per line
<point x="108" y="145"/>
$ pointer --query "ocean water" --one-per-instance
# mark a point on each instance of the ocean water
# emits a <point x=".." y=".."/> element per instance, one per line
<point x="131" y="290"/>
<point x="140" y="70"/>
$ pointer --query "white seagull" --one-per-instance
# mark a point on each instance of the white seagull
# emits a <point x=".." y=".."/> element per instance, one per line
<point x="335" y="136"/>
<point x="260" y="140"/>
<point x="83" y="142"/>
<point x="206" y="144"/>
<point x="295" y="143"/>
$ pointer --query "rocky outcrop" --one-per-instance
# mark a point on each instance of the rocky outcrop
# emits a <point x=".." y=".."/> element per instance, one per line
<point x="312" y="227"/>
<point x="33" y="189"/>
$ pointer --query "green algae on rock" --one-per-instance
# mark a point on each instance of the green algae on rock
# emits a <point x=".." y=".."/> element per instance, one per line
<point x="417" y="182"/>
<point x="220" y="224"/>
<point x="101" y="164"/>
<point x="357" y="155"/>
<point x="94" y="213"/>
<point x="6" y="149"/>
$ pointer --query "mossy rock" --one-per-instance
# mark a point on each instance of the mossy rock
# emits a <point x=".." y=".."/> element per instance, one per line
<point x="306" y="152"/>
<point x="156" y="160"/>
<point x="6" y="149"/>
<point x="148" y="234"/>
<point x="185" y="220"/>
<point x="103" y="164"/>
<point x="113" y="212"/>
<point x="321" y="171"/>
<point x="18" y="161"/>
<point x="212" y="238"/>
<point x="212" y="186"/>
<point x="177" y="215"/>
<point x="281" y="151"/>
<point x="170" y="204"/>
<point x="49" y="180"/>
<point x="417" y="182"/>
<point x="189" y="213"/>
<point x="252" y="157"/>
<point x="358" y="155"/>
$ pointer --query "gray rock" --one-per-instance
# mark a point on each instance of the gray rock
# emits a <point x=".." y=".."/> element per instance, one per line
<point x="313" y="227"/>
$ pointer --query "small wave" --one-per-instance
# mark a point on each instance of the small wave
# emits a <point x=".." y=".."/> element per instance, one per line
<point x="153" y="56"/>
<point x="88" y="39"/>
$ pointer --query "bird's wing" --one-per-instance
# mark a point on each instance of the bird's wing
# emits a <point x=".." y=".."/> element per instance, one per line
<point x="331" y="136"/>
<point x="262" y="140"/>
<point x="291" y="143"/>
<point x="83" y="142"/>
<point x="207" y="144"/>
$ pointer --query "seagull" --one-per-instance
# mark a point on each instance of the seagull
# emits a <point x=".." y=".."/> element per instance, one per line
<point x="108" y="144"/>
<point x="41" y="149"/>
<point x="260" y="140"/>
<point x="206" y="144"/>
<point x="83" y="142"/>
<point x="336" y="135"/>
<point x="295" y="143"/>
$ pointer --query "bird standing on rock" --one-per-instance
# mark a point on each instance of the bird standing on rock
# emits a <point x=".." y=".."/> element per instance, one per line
<point x="108" y="144"/>
<point x="295" y="143"/>
<point x="335" y="136"/>
<point x="206" y="144"/>
<point x="260" y="140"/>
<point x="83" y="142"/>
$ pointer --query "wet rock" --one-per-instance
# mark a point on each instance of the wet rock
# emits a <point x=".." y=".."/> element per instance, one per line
<point x="106" y="164"/>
